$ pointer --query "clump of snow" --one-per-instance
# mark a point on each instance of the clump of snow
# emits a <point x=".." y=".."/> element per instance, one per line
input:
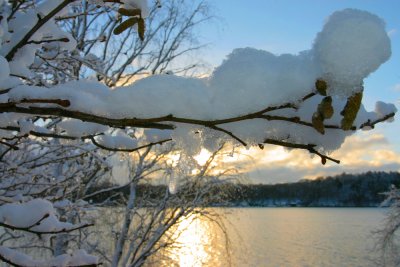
<point x="10" y="119"/>
<point x="251" y="79"/>
<point x="10" y="82"/>
<point x="119" y="139"/>
<point x="382" y="109"/>
<point x="154" y="135"/>
<point x="79" y="128"/>
<point x="27" y="214"/>
<point x="23" y="59"/>
<point x="77" y="258"/>
<point x="162" y="95"/>
<point x="25" y="126"/>
<point x="352" y="45"/>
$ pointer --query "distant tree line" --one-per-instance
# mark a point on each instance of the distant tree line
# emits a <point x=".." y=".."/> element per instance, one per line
<point x="347" y="190"/>
<point x="342" y="190"/>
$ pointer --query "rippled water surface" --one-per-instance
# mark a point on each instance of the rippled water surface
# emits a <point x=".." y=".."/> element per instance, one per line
<point x="281" y="237"/>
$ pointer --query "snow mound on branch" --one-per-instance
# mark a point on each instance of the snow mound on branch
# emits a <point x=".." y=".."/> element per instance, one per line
<point x="352" y="45"/>
<point x="77" y="258"/>
<point x="161" y="95"/>
<point x="119" y="139"/>
<point x="382" y="109"/>
<point x="251" y="79"/>
<point x="154" y="135"/>
<point x="79" y="128"/>
<point x="26" y="215"/>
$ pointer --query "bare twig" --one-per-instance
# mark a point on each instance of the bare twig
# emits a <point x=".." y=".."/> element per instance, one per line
<point x="308" y="147"/>
<point x="14" y="147"/>
<point x="127" y="149"/>
<point x="372" y="124"/>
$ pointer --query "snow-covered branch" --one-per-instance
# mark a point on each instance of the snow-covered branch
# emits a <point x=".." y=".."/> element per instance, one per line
<point x="316" y="95"/>
<point x="78" y="259"/>
<point x="17" y="216"/>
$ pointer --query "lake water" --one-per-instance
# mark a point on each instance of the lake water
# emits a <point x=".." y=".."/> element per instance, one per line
<point x="281" y="237"/>
<point x="264" y="237"/>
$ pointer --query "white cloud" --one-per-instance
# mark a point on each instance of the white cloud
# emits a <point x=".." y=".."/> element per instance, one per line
<point x="362" y="152"/>
<point x="392" y="32"/>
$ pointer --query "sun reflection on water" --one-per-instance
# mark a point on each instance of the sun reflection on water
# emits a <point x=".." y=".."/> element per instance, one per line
<point x="194" y="241"/>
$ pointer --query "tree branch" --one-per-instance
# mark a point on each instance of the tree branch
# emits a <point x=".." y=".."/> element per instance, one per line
<point x="373" y="123"/>
<point x="133" y="122"/>
<point x="127" y="149"/>
<point x="309" y="147"/>
<point x="161" y="122"/>
<point x="14" y="147"/>
<point x="87" y="137"/>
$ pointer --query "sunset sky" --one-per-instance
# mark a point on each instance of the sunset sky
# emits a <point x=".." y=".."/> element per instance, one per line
<point x="261" y="24"/>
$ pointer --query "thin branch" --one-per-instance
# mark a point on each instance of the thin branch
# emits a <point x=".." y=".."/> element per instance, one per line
<point x="54" y="111"/>
<point x="128" y="149"/>
<point x="229" y="133"/>
<point x="60" y="102"/>
<point x="14" y="147"/>
<point x="297" y="120"/>
<point x="8" y="261"/>
<point x="39" y="221"/>
<point x="309" y="147"/>
<point x="87" y="137"/>
<point x="372" y="124"/>
<point x="4" y="91"/>
<point x="45" y="135"/>
<point x="64" y="40"/>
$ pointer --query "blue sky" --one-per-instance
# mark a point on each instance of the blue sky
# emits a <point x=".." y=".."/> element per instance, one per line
<point x="290" y="26"/>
